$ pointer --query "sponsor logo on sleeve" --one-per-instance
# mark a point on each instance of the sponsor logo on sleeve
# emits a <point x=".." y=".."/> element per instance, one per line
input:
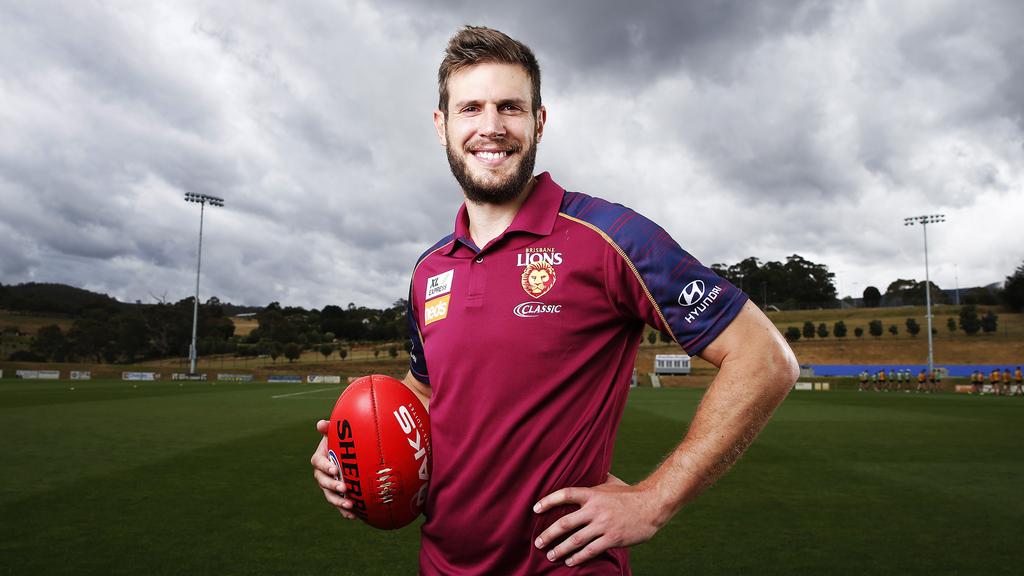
<point x="436" y="309"/>
<point x="691" y="293"/>
<point x="695" y="295"/>
<point x="440" y="284"/>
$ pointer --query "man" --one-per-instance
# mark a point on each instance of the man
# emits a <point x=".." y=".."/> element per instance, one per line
<point x="526" y="369"/>
<point x="1018" y="378"/>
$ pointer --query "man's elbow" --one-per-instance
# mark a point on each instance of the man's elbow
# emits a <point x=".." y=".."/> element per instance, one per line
<point x="785" y="370"/>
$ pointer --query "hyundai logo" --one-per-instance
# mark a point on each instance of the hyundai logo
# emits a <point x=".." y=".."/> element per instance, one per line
<point x="692" y="293"/>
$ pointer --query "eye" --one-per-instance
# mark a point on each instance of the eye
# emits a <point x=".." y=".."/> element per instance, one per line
<point x="510" y="108"/>
<point x="471" y="109"/>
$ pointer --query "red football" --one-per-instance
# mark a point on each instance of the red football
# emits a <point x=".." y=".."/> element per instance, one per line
<point x="379" y="438"/>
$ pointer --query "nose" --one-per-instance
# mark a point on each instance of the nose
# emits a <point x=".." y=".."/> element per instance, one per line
<point x="491" y="124"/>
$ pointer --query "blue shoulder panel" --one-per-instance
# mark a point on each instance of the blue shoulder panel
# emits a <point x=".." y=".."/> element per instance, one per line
<point x="688" y="299"/>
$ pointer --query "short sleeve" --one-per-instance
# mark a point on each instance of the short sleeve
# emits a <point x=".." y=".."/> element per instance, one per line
<point x="650" y="277"/>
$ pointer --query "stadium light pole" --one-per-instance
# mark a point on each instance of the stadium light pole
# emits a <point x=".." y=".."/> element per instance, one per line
<point x="924" y="221"/>
<point x="202" y="200"/>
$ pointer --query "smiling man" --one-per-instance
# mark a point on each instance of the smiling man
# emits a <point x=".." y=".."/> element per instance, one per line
<point x="525" y="377"/>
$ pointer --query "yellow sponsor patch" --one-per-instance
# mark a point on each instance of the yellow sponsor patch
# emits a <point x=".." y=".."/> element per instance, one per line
<point x="436" y="309"/>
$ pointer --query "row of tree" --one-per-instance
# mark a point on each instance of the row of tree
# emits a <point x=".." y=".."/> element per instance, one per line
<point x="799" y="283"/>
<point x="969" y="322"/>
<point x="127" y="333"/>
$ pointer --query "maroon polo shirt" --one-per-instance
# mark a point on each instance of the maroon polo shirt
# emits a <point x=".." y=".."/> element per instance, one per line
<point x="528" y="344"/>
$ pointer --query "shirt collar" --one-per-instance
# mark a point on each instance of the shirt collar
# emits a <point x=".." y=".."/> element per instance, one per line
<point x="537" y="215"/>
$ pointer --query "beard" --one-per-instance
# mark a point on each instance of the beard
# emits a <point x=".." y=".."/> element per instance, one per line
<point x="501" y="192"/>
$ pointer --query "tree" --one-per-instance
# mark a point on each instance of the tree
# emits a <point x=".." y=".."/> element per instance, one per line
<point x="989" y="322"/>
<point x="875" y="328"/>
<point x="797" y="282"/>
<point x="969" y="322"/>
<point x="893" y="329"/>
<point x="913" y="327"/>
<point x="652" y="337"/>
<point x="1013" y="290"/>
<point x="792" y="334"/>
<point x="50" y="343"/>
<point x="808" y="331"/>
<point x="664" y="337"/>
<point x="343" y="352"/>
<point x="275" y="351"/>
<point x="839" y="329"/>
<point x="872" y="297"/>
<point x="822" y="330"/>
<point x="292" y="351"/>
<point x="858" y="331"/>
<point x="393" y="351"/>
<point x="912" y="293"/>
<point x="951" y="324"/>
<point x="326" y="350"/>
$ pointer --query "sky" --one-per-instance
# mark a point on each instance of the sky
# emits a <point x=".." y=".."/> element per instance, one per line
<point x="744" y="129"/>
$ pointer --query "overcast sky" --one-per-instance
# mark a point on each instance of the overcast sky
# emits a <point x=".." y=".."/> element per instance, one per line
<point x="744" y="128"/>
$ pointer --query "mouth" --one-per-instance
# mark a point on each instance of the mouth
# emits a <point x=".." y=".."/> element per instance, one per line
<point x="491" y="156"/>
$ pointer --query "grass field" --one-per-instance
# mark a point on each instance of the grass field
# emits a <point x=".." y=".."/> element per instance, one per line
<point x="201" y="478"/>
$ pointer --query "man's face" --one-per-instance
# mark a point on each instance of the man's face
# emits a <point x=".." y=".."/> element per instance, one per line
<point x="490" y="133"/>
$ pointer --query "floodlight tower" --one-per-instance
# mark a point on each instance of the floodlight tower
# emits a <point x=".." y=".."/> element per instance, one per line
<point x="202" y="200"/>
<point x="924" y="221"/>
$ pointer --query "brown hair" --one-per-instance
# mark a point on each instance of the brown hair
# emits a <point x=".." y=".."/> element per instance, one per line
<point x="478" y="44"/>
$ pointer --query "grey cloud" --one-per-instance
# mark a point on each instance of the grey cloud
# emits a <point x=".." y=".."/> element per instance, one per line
<point x="808" y="125"/>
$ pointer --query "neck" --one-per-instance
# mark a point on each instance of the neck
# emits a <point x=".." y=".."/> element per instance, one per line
<point x="488" y="221"/>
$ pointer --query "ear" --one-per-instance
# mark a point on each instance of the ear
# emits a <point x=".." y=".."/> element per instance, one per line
<point x="442" y="136"/>
<point x="542" y="117"/>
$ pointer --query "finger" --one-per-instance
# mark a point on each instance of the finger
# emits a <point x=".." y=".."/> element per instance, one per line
<point x="321" y="426"/>
<point x="559" y="528"/>
<point x="329" y="483"/>
<point x="590" y="551"/>
<point x="339" y="502"/>
<point x="576" y="541"/>
<point x="561" y="497"/>
<point x="324" y="466"/>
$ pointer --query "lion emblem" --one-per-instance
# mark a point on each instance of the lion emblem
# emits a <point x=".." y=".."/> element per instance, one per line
<point x="538" y="278"/>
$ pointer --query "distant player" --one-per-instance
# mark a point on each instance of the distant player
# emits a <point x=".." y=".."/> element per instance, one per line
<point x="863" y="380"/>
<point x="937" y="379"/>
<point x="993" y="379"/>
<point x="921" y="381"/>
<point x="1018" y="380"/>
<point x="892" y="379"/>
<point x="882" y="385"/>
<point x="1007" y="389"/>
<point x="874" y="381"/>
<point x="976" y="382"/>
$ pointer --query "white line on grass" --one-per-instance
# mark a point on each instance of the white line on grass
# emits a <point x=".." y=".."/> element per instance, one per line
<point x="301" y="393"/>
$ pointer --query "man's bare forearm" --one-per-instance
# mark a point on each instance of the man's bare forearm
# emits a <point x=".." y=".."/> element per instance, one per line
<point x="737" y="405"/>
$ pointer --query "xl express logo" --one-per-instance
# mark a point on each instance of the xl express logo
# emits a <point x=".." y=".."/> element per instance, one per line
<point x="694" y="294"/>
<point x="438" y="296"/>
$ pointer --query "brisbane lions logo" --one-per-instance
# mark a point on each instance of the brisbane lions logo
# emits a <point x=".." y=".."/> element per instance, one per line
<point x="538" y="278"/>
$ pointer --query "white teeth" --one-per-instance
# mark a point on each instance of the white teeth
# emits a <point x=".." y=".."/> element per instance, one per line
<point x="491" y="155"/>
